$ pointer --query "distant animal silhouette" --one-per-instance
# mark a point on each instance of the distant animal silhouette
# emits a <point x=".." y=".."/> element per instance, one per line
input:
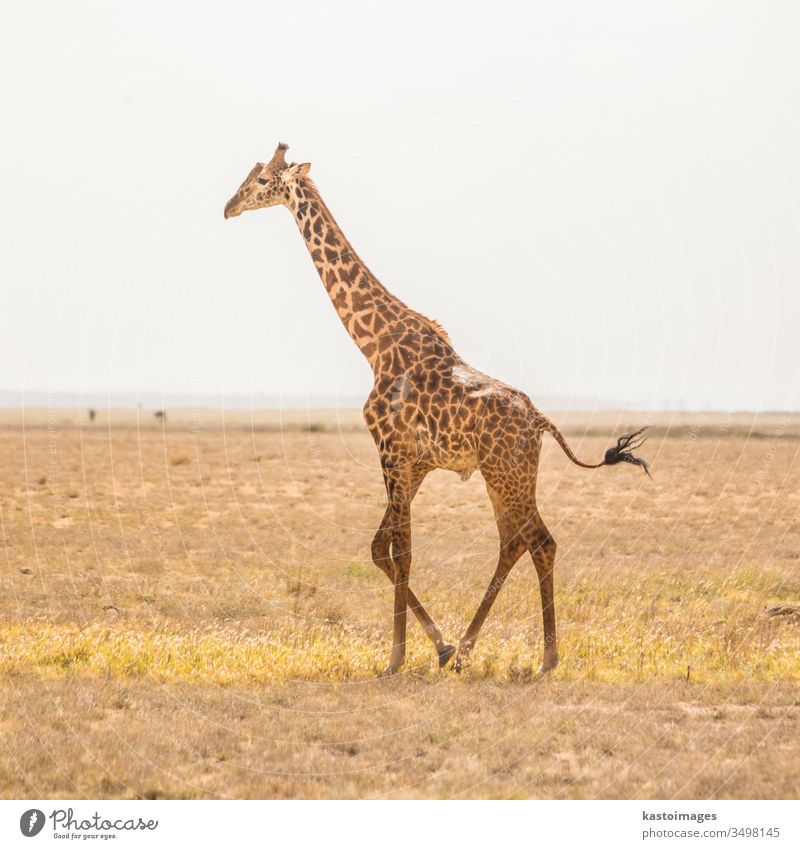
<point x="160" y="415"/>
<point x="428" y="409"/>
<point x="92" y="415"/>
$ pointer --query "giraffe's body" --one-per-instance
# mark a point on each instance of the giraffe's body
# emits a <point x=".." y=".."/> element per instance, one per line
<point x="428" y="409"/>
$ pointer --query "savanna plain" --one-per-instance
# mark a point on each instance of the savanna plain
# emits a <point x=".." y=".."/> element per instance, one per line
<point x="188" y="609"/>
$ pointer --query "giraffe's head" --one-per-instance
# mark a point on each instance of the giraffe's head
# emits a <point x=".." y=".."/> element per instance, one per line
<point x="267" y="184"/>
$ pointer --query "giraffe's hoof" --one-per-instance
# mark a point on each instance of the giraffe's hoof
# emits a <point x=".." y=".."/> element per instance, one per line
<point x="445" y="653"/>
<point x="389" y="671"/>
<point x="462" y="655"/>
<point x="548" y="665"/>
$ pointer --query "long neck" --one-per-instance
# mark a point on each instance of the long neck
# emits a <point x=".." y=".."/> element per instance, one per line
<point x="375" y="319"/>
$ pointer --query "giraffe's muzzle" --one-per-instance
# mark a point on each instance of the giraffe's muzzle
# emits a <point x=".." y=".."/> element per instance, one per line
<point x="231" y="210"/>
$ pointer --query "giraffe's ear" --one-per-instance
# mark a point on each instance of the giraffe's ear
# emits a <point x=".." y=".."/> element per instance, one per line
<point x="294" y="171"/>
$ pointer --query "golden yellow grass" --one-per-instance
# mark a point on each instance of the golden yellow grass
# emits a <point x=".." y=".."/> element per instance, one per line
<point x="731" y="640"/>
<point x="190" y="610"/>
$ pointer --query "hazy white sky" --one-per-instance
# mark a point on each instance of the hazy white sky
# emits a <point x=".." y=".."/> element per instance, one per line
<point x="596" y="200"/>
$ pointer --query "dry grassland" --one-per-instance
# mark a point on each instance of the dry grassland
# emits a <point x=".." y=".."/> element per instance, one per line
<point x="189" y="610"/>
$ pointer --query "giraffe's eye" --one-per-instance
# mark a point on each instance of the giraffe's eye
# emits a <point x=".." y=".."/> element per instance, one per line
<point x="262" y="181"/>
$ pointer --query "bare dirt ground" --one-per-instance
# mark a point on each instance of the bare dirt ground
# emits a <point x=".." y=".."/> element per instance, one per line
<point x="188" y="609"/>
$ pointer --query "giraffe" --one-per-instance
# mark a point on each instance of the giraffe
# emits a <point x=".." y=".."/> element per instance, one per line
<point x="428" y="409"/>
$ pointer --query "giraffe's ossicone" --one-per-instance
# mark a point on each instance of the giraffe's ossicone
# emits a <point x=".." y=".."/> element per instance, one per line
<point x="428" y="409"/>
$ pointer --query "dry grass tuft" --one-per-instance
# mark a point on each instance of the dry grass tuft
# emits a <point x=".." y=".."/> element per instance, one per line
<point x="790" y="610"/>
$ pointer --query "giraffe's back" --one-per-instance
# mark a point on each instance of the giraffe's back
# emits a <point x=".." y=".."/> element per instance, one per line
<point x="450" y="416"/>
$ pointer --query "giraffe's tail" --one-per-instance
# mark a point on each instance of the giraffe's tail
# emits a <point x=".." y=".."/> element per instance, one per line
<point x="622" y="452"/>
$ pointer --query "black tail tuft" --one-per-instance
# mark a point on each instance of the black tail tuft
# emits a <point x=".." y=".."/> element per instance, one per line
<point x="623" y="451"/>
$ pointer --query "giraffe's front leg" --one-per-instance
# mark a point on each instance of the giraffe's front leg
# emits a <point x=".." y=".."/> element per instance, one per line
<point x="381" y="557"/>
<point x="398" y="490"/>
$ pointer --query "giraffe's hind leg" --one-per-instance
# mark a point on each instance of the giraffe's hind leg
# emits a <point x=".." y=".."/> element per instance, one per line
<point x="512" y="546"/>
<point x="543" y="552"/>
<point x="511" y="482"/>
<point x="518" y="534"/>
<point x="509" y="555"/>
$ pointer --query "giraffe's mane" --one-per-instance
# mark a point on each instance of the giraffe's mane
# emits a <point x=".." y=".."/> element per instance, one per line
<point x="437" y="328"/>
<point x="433" y="324"/>
<point x="305" y="180"/>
